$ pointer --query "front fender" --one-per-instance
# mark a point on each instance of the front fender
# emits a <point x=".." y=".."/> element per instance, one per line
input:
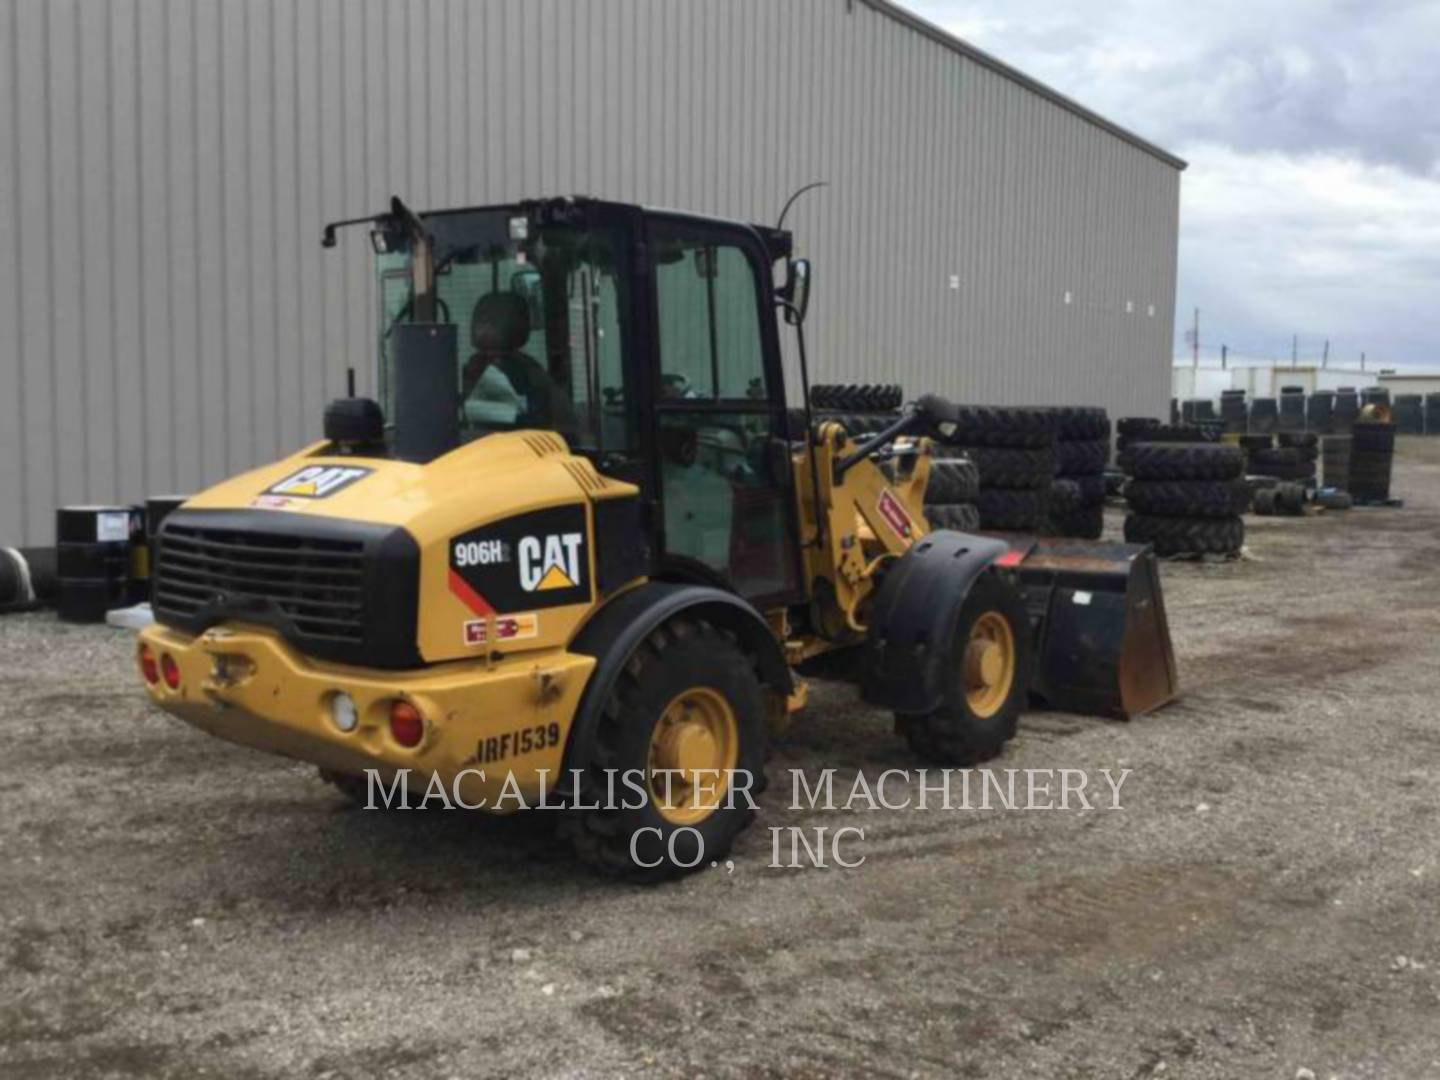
<point x="906" y="656"/>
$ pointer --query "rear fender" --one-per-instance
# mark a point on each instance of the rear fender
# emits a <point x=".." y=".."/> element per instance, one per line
<point x="616" y="631"/>
<point x="915" y="611"/>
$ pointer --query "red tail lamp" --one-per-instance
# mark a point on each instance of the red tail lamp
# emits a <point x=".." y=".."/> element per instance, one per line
<point x="407" y="726"/>
<point x="148" y="667"/>
<point x="170" y="670"/>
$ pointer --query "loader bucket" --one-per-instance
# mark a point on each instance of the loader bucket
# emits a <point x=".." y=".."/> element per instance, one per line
<point x="1102" y="643"/>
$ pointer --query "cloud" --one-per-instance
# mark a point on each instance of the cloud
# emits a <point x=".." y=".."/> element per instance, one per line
<point x="1311" y="201"/>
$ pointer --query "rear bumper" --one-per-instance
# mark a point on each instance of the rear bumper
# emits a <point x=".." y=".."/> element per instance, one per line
<point x="508" y="719"/>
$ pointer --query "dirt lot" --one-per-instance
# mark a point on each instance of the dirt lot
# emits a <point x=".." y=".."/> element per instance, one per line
<point x="1267" y="901"/>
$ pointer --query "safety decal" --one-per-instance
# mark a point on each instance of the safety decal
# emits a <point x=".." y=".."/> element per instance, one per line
<point x="894" y="514"/>
<point x="317" y="481"/>
<point x="532" y="561"/>
<point x="507" y="628"/>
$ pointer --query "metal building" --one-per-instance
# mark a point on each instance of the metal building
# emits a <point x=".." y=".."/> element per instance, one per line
<point x="167" y="315"/>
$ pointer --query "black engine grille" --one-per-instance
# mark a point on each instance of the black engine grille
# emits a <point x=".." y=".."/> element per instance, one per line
<point x="316" y="585"/>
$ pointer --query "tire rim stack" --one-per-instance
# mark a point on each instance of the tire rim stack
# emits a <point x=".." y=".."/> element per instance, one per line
<point x="1014" y="451"/>
<point x="1409" y="414"/>
<point x="1234" y="411"/>
<point x="1320" y="411"/>
<point x="1292" y="408"/>
<point x="1293" y="460"/>
<point x="1264" y="415"/>
<point x="1335" y="458"/>
<point x="1347" y="410"/>
<point x="1186" y="498"/>
<point x="1077" y="494"/>
<point x="1372" y="451"/>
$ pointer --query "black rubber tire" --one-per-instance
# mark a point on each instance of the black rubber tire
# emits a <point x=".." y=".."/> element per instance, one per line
<point x="681" y="655"/>
<point x="1172" y="498"/>
<point x="1282" y="461"/>
<point x="1179" y="433"/>
<point x="1335" y="500"/>
<point x="1263" y="502"/>
<point x="952" y="480"/>
<point x="959" y="517"/>
<point x="1135" y="427"/>
<point x="1081" y="423"/>
<point x="1007" y="467"/>
<point x="856" y="397"/>
<point x="1184" y="461"/>
<point x="1301" y="440"/>
<point x="1092" y="488"/>
<point x="1007" y="509"/>
<point x="1186" y="535"/>
<point x="1252" y="443"/>
<point x="953" y="735"/>
<point x="1085" y="522"/>
<point x="1290" y="500"/>
<point x="1081" y="458"/>
<point x="991" y="425"/>
<point x="1065" y="495"/>
<point x="1372" y="437"/>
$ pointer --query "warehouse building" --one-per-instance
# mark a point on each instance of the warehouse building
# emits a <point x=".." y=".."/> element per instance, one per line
<point x="168" y="317"/>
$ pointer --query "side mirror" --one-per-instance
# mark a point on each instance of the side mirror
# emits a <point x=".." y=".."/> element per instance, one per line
<point x="796" y="290"/>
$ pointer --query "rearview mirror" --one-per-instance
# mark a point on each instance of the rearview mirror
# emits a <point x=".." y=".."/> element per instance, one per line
<point x="796" y="291"/>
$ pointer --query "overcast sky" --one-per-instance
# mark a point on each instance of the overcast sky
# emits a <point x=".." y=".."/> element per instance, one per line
<point x="1312" y="129"/>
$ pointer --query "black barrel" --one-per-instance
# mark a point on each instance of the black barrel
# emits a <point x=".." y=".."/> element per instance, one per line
<point x="94" y="548"/>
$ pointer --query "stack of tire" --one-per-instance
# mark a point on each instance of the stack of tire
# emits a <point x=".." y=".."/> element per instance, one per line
<point x="1409" y="414"/>
<point x="951" y="493"/>
<point x="1233" y="411"/>
<point x="1372" y="450"/>
<point x="1432" y="414"/>
<point x="1347" y="410"/>
<point x="1293" y="460"/>
<point x="1320" y="412"/>
<point x="1186" y="498"/>
<point x="1335" y="458"/>
<point x="1292" y="408"/>
<point x="1014" y="451"/>
<point x="1197" y="409"/>
<point x="1077" y="493"/>
<point x="1136" y="430"/>
<point x="862" y="408"/>
<point x="1374" y="395"/>
<point x="1255" y="444"/>
<point x="1264" y="415"/>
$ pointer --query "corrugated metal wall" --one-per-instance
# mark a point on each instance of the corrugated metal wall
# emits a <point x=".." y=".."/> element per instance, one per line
<point x="167" y="315"/>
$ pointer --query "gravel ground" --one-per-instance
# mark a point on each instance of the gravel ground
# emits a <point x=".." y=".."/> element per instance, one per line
<point x="1267" y="901"/>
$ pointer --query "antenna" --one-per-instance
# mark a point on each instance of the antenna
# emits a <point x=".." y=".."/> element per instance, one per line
<point x="791" y="201"/>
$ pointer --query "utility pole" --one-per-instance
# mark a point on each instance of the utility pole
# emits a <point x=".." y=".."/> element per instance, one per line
<point x="1224" y="356"/>
<point x="1362" y="361"/>
<point x="1195" y="340"/>
<point x="1295" y="351"/>
<point x="1325" y="359"/>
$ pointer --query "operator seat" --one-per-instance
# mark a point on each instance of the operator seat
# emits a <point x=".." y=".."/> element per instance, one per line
<point x="499" y="326"/>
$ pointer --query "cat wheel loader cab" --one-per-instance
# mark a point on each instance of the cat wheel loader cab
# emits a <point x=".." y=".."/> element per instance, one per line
<point x="573" y="553"/>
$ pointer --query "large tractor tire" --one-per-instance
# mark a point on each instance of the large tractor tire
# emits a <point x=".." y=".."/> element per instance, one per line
<point x="1202" y="498"/>
<point x="1013" y="467"/>
<point x="952" y="480"/>
<point x="990" y="425"/>
<point x="856" y="398"/>
<point x="1082" y="423"/>
<point x="688" y="700"/>
<point x="1085" y="522"/>
<point x="1186" y="535"/>
<point x="1005" y="509"/>
<point x="1081" y="458"/>
<point x="958" y="517"/>
<point x="1184" y="461"/>
<point x="984" y="699"/>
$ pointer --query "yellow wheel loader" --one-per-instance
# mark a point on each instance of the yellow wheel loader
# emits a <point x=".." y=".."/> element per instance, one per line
<point x="575" y="553"/>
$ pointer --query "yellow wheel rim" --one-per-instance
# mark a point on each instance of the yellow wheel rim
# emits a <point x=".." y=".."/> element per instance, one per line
<point x="696" y="739"/>
<point x="989" y="664"/>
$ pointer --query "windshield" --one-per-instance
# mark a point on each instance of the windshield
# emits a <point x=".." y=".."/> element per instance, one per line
<point x="537" y="311"/>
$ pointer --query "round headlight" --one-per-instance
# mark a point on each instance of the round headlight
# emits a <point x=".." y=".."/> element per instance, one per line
<point x="343" y="712"/>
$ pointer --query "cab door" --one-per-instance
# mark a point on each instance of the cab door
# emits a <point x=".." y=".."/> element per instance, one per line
<point x="723" y="476"/>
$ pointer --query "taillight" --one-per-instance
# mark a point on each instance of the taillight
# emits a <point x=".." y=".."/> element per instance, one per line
<point x="148" y="668"/>
<point x="407" y="726"/>
<point x="170" y="670"/>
